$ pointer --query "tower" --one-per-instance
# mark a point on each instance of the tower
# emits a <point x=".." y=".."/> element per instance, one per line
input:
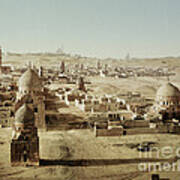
<point x="62" y="67"/>
<point x="98" y="65"/>
<point x="25" y="140"/>
<point x="127" y="57"/>
<point x="40" y="72"/>
<point x="106" y="67"/>
<point x="0" y="56"/>
<point x="0" y="60"/>
<point x="82" y="67"/>
<point x="81" y="84"/>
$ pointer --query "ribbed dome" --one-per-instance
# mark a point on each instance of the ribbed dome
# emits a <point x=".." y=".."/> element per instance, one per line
<point x="168" y="90"/>
<point x="30" y="81"/>
<point x="24" y="115"/>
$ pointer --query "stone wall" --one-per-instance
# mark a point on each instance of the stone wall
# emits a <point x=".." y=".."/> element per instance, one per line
<point x="109" y="132"/>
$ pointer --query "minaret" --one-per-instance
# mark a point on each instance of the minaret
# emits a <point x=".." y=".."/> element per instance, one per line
<point x="127" y="57"/>
<point x="98" y="65"/>
<point x="0" y="56"/>
<point x="0" y="60"/>
<point x="40" y="72"/>
<point x="62" y="67"/>
<point x="81" y="84"/>
<point x="106" y="67"/>
<point x="82" y="67"/>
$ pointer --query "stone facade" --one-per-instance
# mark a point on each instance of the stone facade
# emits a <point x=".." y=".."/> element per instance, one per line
<point x="31" y="91"/>
<point x="25" y="140"/>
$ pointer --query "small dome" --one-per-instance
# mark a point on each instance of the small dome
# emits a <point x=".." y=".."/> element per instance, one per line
<point x="30" y="81"/>
<point x="24" y="115"/>
<point x="168" y="90"/>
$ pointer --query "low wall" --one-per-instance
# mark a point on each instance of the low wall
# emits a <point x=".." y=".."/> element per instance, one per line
<point x="166" y="129"/>
<point x="141" y="131"/>
<point x="109" y="132"/>
<point x="136" y="124"/>
<point x="67" y="126"/>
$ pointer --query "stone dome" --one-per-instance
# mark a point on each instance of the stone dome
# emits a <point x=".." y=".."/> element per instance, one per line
<point x="30" y="81"/>
<point x="168" y="90"/>
<point x="24" y="115"/>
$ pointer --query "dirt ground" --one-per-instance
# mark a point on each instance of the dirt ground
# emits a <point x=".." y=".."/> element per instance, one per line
<point x="106" y="157"/>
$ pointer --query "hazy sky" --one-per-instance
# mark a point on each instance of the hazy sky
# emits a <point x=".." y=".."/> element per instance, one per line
<point x="102" y="28"/>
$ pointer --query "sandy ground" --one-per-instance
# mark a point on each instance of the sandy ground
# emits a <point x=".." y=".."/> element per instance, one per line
<point x="82" y="145"/>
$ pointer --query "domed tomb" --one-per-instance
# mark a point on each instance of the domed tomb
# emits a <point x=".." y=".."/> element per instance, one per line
<point x="29" y="81"/>
<point x="168" y="101"/>
<point x="24" y="149"/>
<point x="24" y="115"/>
<point x="168" y="93"/>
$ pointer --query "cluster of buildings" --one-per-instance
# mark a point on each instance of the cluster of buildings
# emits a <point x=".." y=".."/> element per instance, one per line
<point x="28" y="106"/>
<point x="105" y="70"/>
<point x="166" y="108"/>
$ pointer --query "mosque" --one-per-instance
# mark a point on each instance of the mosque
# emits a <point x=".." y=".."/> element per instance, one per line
<point x="168" y="102"/>
<point x="29" y="116"/>
<point x="31" y="91"/>
<point x="25" y="141"/>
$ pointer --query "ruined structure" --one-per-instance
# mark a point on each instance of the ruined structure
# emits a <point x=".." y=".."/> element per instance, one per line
<point x="25" y="141"/>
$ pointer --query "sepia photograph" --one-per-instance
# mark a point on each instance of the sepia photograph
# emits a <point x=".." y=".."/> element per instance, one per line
<point x="89" y="90"/>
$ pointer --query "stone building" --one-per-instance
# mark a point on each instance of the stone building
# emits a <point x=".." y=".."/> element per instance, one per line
<point x="104" y="104"/>
<point x="168" y="101"/>
<point x="25" y="141"/>
<point x="30" y="85"/>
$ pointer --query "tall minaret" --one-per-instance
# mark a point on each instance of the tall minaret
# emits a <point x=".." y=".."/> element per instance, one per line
<point x="0" y="60"/>
<point x="81" y="85"/>
<point x="0" y="56"/>
<point x="82" y="67"/>
<point x="98" y="65"/>
<point x="62" y="67"/>
<point x="40" y="72"/>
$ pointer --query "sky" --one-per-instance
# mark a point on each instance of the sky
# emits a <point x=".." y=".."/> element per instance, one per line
<point x="97" y="28"/>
